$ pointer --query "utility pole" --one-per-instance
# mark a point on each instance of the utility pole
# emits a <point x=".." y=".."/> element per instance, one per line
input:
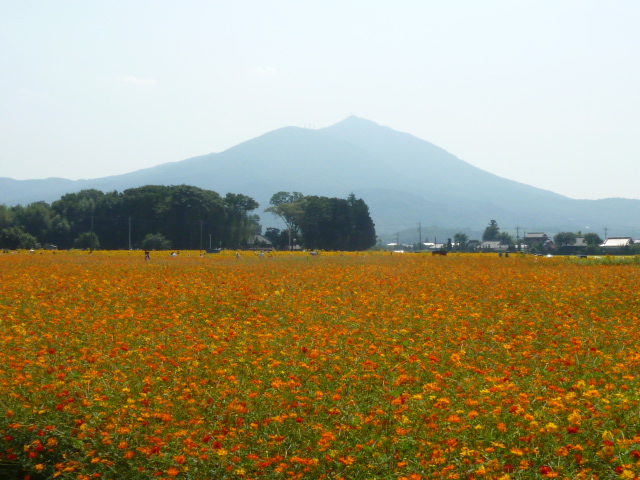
<point x="419" y="236"/>
<point x="91" y="242"/>
<point x="200" y="236"/>
<point x="130" y="247"/>
<point x="606" y="230"/>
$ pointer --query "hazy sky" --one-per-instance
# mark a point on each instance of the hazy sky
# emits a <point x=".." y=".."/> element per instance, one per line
<point x="544" y="92"/>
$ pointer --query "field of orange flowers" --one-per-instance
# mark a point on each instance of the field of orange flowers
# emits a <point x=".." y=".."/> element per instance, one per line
<point x="349" y="366"/>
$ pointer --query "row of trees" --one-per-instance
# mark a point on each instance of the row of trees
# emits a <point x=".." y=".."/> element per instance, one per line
<point x="184" y="218"/>
<point x="321" y="222"/>
<point x="568" y="239"/>
<point x="151" y="217"/>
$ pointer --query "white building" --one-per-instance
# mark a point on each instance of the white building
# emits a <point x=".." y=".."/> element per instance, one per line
<point x="617" y="242"/>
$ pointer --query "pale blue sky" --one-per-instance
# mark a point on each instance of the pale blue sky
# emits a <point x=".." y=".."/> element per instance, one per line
<point x="544" y="92"/>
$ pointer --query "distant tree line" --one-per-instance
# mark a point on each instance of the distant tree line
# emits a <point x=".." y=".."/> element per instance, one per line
<point x="568" y="239"/>
<point x="150" y="217"/>
<point x="183" y="217"/>
<point x="321" y="223"/>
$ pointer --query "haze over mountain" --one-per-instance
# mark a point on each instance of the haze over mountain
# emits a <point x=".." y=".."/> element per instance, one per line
<point x="403" y="179"/>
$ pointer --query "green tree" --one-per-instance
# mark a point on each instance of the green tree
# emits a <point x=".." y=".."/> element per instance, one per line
<point x="15" y="238"/>
<point x="155" y="241"/>
<point x="183" y="214"/>
<point x="41" y="221"/>
<point x="336" y="224"/>
<point x="87" y="241"/>
<point x="146" y="210"/>
<point x="78" y="209"/>
<point x="492" y="232"/>
<point x="565" y="239"/>
<point x="592" y="249"/>
<point x="287" y="206"/>
<point x="273" y="235"/>
<point x="110" y="221"/>
<point x="461" y="239"/>
<point x="316" y="226"/>
<point x="363" y="235"/>
<point x="240" y="224"/>
<point x="37" y="219"/>
<point x="6" y="217"/>
<point x="592" y="239"/>
<point x="278" y="238"/>
<point x="505" y="238"/>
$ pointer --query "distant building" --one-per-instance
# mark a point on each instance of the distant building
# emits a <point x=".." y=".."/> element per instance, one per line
<point x="399" y="247"/>
<point x="473" y="244"/>
<point x="539" y="238"/>
<point x="580" y="243"/>
<point x="434" y="246"/>
<point x="535" y="237"/>
<point x="617" y="242"/>
<point x="259" y="242"/>
<point x="493" y="246"/>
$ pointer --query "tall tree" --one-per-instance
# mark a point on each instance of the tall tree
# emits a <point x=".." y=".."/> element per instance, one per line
<point x="363" y="235"/>
<point x="6" y="217"/>
<point x="110" y="222"/>
<point x="240" y="224"/>
<point x="492" y="232"/>
<point x="287" y="206"/>
<point x="315" y="223"/>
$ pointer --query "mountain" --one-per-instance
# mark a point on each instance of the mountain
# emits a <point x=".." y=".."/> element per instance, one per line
<point x="403" y="179"/>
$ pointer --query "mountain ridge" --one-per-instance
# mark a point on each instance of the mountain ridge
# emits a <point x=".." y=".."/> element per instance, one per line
<point x="405" y="180"/>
